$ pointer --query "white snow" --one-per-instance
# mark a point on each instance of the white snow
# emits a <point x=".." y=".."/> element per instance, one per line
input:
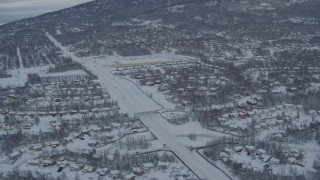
<point x="19" y="76"/>
<point x="133" y="100"/>
<point x="68" y="73"/>
<point x="19" y="57"/>
<point x="201" y="167"/>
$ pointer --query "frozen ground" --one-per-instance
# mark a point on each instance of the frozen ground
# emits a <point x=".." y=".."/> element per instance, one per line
<point x="130" y="98"/>
<point x="199" y="165"/>
<point x="134" y="101"/>
<point x="19" y="76"/>
<point x="68" y="73"/>
<point x="119" y="61"/>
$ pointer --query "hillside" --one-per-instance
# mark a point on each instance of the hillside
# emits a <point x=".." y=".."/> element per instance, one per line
<point x="214" y="30"/>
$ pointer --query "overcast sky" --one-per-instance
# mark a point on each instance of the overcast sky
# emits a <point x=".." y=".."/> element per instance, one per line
<point x="11" y="10"/>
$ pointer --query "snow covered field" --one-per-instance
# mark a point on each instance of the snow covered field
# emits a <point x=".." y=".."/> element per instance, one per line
<point x="19" y="76"/>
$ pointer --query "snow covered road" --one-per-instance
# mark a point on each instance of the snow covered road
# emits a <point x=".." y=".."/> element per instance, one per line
<point x="132" y="100"/>
<point x="195" y="162"/>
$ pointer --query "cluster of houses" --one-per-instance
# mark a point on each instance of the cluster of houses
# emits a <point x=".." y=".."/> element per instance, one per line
<point x="57" y="98"/>
<point x="248" y="157"/>
<point x="68" y="98"/>
<point x="180" y="82"/>
<point x="257" y="119"/>
<point x="108" y="173"/>
<point x="286" y="81"/>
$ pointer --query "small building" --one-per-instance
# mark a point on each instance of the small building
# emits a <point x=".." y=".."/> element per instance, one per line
<point x="130" y="176"/>
<point x="238" y="148"/>
<point x="137" y="171"/>
<point x="84" y="131"/>
<point x="33" y="162"/>
<point x="54" y="144"/>
<point x="63" y="163"/>
<point x="75" y="135"/>
<point x="47" y="163"/>
<point x="27" y="126"/>
<point x="107" y="128"/>
<point x="147" y="166"/>
<point x="274" y="161"/>
<point x="252" y="102"/>
<point x="223" y="156"/>
<point x="14" y="155"/>
<point x="245" y="93"/>
<point x="278" y="137"/>
<point x="162" y="165"/>
<point x="103" y="171"/>
<point x="260" y="152"/>
<point x="157" y="82"/>
<point x="36" y="147"/>
<point x="95" y="110"/>
<point x="94" y="143"/>
<point x="291" y="160"/>
<point x="265" y="157"/>
<point x="294" y="152"/>
<point x="115" y="173"/>
<point x="96" y="129"/>
<point x="83" y="111"/>
<point x="149" y="83"/>
<point x="227" y="150"/>
<point x="87" y="169"/>
<point x="74" y="167"/>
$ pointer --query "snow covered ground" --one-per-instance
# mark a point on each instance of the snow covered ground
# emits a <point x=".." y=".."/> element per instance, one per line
<point x="19" y="76"/>
<point x="68" y="73"/>
<point x="199" y="165"/>
<point x="132" y="100"/>
<point x="119" y="61"/>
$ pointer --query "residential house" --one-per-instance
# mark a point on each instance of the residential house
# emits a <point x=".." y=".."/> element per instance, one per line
<point x="130" y="176"/>
<point x="115" y="173"/>
<point x="147" y="166"/>
<point x="47" y="163"/>
<point x="103" y="171"/>
<point x="87" y="169"/>
<point x="138" y="171"/>
<point x="63" y="163"/>
<point x="14" y="155"/>
<point x="162" y="165"/>
<point x="238" y="148"/>
<point x="291" y="160"/>
<point x="74" y="167"/>
<point x="33" y="162"/>
<point x="223" y="156"/>
<point x="54" y="144"/>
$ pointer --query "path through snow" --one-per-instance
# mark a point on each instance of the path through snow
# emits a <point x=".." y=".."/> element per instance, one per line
<point x="20" y="58"/>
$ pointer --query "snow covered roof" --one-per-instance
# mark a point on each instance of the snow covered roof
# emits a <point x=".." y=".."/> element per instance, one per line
<point x="238" y="148"/>
<point x="129" y="176"/>
<point x="74" y="166"/>
<point x="114" y="172"/>
<point x="147" y="165"/>
<point x="14" y="154"/>
<point x="223" y="154"/>
<point x="160" y="163"/>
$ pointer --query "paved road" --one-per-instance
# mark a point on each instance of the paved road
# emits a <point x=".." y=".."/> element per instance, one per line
<point x="129" y="97"/>
<point x="133" y="100"/>
<point x="195" y="162"/>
